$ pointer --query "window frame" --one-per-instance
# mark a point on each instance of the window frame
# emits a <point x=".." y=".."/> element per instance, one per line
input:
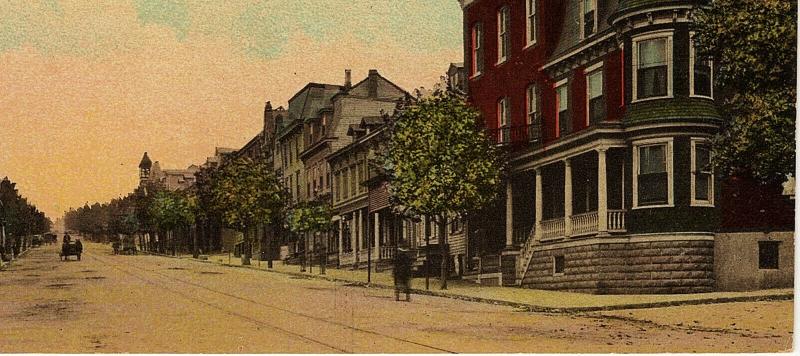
<point x="777" y="246"/>
<point x="564" y="83"/>
<point x="477" y="49"/>
<point x="503" y="118"/>
<point x="590" y="71"/>
<point x="531" y="33"/>
<point x="584" y="35"/>
<point x="670" y="168"/>
<point x="503" y="29"/>
<point x="697" y="202"/>
<point x="692" y="60"/>
<point x="668" y="35"/>
<point x="563" y="264"/>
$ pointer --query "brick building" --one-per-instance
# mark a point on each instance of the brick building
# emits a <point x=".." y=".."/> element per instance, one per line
<point x="607" y="116"/>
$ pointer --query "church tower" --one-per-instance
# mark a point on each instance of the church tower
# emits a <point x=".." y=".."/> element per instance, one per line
<point x="144" y="169"/>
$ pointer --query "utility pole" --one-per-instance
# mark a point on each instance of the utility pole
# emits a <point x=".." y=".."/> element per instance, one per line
<point x="369" y="250"/>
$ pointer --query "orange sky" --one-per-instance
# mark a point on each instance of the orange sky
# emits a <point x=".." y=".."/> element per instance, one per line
<point x="85" y="90"/>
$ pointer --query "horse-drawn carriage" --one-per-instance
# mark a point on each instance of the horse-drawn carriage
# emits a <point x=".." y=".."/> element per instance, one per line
<point x="71" y="248"/>
<point x="125" y="246"/>
<point x="50" y="238"/>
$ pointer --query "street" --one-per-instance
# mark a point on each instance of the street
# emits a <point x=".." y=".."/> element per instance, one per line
<point x="144" y="304"/>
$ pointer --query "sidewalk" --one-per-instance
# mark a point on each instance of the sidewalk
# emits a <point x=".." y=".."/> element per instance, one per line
<point x="523" y="298"/>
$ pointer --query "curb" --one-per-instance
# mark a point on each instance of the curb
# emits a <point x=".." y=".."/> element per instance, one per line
<point x="522" y="306"/>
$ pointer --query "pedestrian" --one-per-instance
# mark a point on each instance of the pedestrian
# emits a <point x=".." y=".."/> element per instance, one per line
<point x="402" y="275"/>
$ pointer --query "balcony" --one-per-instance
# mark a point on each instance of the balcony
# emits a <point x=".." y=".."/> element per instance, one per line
<point x="515" y="135"/>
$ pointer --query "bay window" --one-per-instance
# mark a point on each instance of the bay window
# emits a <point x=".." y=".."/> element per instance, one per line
<point x="653" y="66"/>
<point x="564" y="121"/>
<point x="653" y="169"/>
<point x="503" y="37"/>
<point x="702" y="175"/>
<point x="596" y="105"/>
<point x="701" y="74"/>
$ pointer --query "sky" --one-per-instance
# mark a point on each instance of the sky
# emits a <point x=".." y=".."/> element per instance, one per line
<point x="87" y="87"/>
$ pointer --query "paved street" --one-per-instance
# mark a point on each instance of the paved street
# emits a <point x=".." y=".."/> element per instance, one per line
<point x="142" y="304"/>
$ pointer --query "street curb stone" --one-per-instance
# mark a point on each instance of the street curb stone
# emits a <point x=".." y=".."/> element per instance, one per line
<point x="522" y="306"/>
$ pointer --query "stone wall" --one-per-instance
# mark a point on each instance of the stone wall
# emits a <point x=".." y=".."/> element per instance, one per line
<point x="625" y="266"/>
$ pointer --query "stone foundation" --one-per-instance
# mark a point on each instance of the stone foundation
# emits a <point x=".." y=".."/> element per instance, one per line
<point x="625" y="266"/>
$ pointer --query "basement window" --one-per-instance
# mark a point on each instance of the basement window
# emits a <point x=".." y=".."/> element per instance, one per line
<point x="768" y="254"/>
<point x="558" y="265"/>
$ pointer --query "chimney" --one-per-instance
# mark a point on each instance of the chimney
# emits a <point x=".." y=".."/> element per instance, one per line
<point x="347" y="79"/>
<point x="268" y="124"/>
<point x="372" y="83"/>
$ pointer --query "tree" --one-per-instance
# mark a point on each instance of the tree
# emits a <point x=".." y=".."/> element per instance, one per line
<point x="440" y="163"/>
<point x="310" y="217"/>
<point x="172" y="210"/>
<point x="752" y="43"/>
<point x="245" y="193"/>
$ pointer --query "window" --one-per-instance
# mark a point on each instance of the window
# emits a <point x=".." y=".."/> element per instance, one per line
<point x="297" y="183"/>
<point x="653" y="167"/>
<point x="353" y="181"/>
<point x="532" y="108"/>
<point x="701" y="76"/>
<point x="558" y="265"/>
<point x="596" y="105"/>
<point x="338" y="186"/>
<point x="345" y="184"/>
<point x="564" y="122"/>
<point x="768" y="254"/>
<point x="652" y="77"/>
<point x="503" y="38"/>
<point x="702" y="176"/>
<point x="589" y="19"/>
<point x="477" y="49"/>
<point x="530" y="27"/>
<point x="502" y="121"/>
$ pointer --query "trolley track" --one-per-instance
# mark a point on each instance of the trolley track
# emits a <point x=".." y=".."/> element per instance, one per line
<point x="261" y="304"/>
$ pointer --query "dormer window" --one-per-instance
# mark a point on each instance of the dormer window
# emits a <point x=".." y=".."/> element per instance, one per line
<point x="503" y="36"/>
<point x="589" y="17"/>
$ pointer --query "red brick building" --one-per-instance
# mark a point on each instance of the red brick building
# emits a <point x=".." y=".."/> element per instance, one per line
<point x="607" y="116"/>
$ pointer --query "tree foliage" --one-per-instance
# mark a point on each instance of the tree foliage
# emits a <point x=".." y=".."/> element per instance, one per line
<point x="753" y="44"/>
<point x="247" y="192"/>
<point x="19" y="216"/>
<point x="312" y="216"/>
<point x="439" y="160"/>
<point x="171" y="210"/>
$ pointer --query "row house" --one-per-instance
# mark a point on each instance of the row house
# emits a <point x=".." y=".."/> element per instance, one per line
<point x="348" y="158"/>
<point x="607" y="115"/>
<point x="366" y="226"/>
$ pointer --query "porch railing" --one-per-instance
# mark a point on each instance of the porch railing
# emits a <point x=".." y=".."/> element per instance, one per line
<point x="583" y="224"/>
<point x="514" y="135"/>
<point x="521" y="234"/>
<point x="552" y="228"/>
<point x="387" y="252"/>
<point x="616" y="220"/>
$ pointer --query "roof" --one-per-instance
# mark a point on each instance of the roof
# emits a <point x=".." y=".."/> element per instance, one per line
<point x="670" y="109"/>
<point x="146" y="163"/>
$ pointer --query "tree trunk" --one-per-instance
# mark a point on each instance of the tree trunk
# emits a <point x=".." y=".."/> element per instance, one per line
<point x="195" y="254"/>
<point x="246" y="253"/>
<point x="442" y="225"/>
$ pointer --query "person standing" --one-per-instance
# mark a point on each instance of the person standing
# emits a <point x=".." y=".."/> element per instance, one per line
<point x="402" y="275"/>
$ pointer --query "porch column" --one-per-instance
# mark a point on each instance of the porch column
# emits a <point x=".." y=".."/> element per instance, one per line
<point x="377" y="244"/>
<point x="537" y="233"/>
<point x="509" y="215"/>
<point x="353" y="229"/>
<point x="567" y="198"/>
<point x="341" y="234"/>
<point x="602" y="192"/>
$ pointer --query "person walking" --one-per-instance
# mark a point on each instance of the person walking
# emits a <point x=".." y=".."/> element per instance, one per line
<point x="402" y="275"/>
